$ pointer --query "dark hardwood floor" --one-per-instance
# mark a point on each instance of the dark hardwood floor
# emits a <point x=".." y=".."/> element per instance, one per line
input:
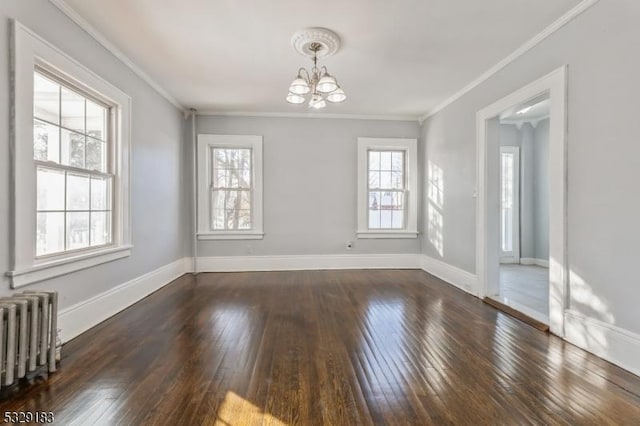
<point x="325" y="347"/>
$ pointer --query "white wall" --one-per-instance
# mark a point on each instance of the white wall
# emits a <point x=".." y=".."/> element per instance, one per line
<point x="603" y="157"/>
<point x="309" y="185"/>
<point x="534" y="185"/>
<point x="158" y="219"/>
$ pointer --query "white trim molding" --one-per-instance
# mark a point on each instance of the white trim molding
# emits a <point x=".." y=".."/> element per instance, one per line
<point x="614" y="344"/>
<point x="457" y="277"/>
<point x="307" y="262"/>
<point x="533" y="261"/>
<point x="322" y="115"/>
<point x="64" y="7"/>
<point x="524" y="48"/>
<point x="82" y="316"/>
<point x="554" y="84"/>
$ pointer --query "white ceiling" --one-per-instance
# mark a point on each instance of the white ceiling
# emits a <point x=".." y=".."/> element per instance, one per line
<point x="398" y="58"/>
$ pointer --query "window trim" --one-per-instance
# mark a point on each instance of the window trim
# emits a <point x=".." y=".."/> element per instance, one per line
<point x="206" y="144"/>
<point x="28" y="52"/>
<point x="410" y="147"/>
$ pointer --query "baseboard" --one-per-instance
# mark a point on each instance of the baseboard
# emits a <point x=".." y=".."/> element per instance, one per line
<point x="82" y="316"/>
<point x="614" y="344"/>
<point x="533" y="261"/>
<point x="307" y="262"/>
<point x="455" y="276"/>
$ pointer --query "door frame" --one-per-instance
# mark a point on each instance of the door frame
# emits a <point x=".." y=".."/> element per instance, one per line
<point x="514" y="255"/>
<point x="555" y="84"/>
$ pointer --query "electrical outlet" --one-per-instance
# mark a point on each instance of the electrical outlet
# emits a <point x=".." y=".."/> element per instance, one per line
<point x="249" y="249"/>
<point x="349" y="245"/>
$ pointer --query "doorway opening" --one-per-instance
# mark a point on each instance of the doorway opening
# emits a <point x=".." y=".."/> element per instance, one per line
<point x="524" y="208"/>
<point x="521" y="220"/>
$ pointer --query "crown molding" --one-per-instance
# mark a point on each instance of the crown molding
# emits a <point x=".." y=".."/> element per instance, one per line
<point x="308" y="115"/>
<point x="520" y="122"/>
<point x="64" y="7"/>
<point x="524" y="48"/>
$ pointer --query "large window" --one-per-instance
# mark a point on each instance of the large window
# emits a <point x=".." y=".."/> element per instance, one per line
<point x="387" y="188"/>
<point x="70" y="145"/>
<point x="73" y="179"/>
<point x="229" y="187"/>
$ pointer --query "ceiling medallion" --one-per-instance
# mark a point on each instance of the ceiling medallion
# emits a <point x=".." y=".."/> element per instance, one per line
<point x="318" y="83"/>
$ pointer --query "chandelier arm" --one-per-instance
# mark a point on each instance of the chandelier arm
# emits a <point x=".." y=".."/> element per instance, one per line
<point x="300" y="71"/>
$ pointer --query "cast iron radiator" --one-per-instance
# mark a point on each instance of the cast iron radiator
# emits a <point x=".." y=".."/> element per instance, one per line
<point x="28" y="334"/>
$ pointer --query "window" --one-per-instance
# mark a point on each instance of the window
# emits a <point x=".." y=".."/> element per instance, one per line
<point x="386" y="189"/>
<point x="73" y="183"/>
<point x="509" y="204"/>
<point x="71" y="164"/>
<point x="229" y="187"/>
<point x="387" y="181"/>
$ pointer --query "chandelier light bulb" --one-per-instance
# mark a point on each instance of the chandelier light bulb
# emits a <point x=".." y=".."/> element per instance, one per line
<point x="293" y="98"/>
<point x="299" y="86"/>
<point x="327" y="83"/>
<point x="337" y="95"/>
<point x="317" y="102"/>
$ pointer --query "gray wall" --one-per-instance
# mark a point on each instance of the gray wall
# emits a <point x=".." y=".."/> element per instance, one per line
<point x="603" y="156"/>
<point x="309" y="185"/>
<point x="158" y="220"/>
<point x="534" y="185"/>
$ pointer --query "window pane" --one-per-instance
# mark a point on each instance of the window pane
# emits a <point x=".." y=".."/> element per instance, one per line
<point x="374" y="179"/>
<point x="385" y="219"/>
<point x="49" y="233"/>
<point x="374" y="210"/>
<point x="397" y="180"/>
<point x="46" y="142"/>
<point x="96" y="158"/>
<point x="77" y="230"/>
<point x="507" y="200"/>
<point x="50" y="189"/>
<point x="72" y="111"/>
<point x="397" y="219"/>
<point x="73" y="149"/>
<point x="77" y="192"/>
<point x="374" y="160"/>
<point x="96" y="121"/>
<point x="100" y="194"/>
<point x="100" y="228"/>
<point x="385" y="180"/>
<point x="397" y="161"/>
<point x="231" y="210"/>
<point x="385" y="160"/>
<point x="46" y="99"/>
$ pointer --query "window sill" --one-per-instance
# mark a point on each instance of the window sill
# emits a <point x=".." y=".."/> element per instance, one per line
<point x="387" y="234"/>
<point x="55" y="268"/>
<point x="231" y="236"/>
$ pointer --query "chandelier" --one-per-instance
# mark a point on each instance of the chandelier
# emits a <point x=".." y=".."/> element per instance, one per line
<point x="318" y="83"/>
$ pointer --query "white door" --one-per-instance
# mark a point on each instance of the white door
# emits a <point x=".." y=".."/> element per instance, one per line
<point x="509" y="204"/>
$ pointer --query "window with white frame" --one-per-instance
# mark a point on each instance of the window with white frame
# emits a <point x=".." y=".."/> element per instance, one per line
<point x="229" y="187"/>
<point x="73" y="174"/>
<point x="71" y="164"/>
<point x="387" y="182"/>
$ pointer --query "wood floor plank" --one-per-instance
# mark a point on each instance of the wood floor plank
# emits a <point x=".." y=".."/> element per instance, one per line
<point x="324" y="347"/>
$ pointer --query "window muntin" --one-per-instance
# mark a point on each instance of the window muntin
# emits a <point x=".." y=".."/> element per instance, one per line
<point x="386" y="189"/>
<point x="231" y="189"/>
<point x="73" y="180"/>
